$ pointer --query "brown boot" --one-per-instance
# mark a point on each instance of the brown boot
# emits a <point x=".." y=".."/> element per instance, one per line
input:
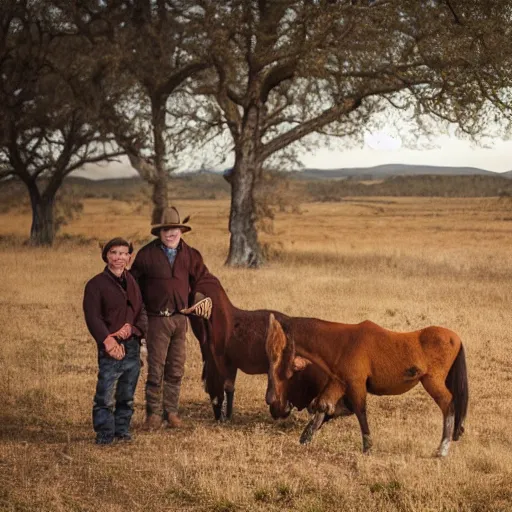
<point x="173" y="421"/>
<point x="153" y="422"/>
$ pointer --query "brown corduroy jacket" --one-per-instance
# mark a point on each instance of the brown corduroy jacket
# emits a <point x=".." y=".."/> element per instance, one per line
<point x="107" y="306"/>
<point x="166" y="288"/>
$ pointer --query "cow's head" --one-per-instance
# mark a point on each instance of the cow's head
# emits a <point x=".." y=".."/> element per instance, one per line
<point x="283" y="363"/>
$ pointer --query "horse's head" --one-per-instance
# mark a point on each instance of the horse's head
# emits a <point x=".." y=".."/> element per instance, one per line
<point x="282" y="364"/>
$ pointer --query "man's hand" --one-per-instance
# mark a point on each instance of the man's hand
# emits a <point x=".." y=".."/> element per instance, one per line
<point x="124" y="333"/>
<point x="113" y="348"/>
<point x="203" y="308"/>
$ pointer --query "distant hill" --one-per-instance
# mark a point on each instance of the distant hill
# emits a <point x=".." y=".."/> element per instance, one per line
<point x="305" y="186"/>
<point x="320" y="185"/>
<point x="380" y="172"/>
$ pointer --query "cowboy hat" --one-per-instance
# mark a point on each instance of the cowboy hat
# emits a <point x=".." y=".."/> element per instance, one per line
<point x="168" y="218"/>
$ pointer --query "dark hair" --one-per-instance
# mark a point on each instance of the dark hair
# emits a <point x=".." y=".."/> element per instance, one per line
<point x="115" y="242"/>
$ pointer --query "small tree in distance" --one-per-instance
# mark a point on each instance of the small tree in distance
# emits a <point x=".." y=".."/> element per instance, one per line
<point x="143" y="53"/>
<point x="45" y="132"/>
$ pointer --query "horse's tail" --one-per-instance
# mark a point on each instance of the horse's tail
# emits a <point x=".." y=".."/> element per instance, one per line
<point x="457" y="383"/>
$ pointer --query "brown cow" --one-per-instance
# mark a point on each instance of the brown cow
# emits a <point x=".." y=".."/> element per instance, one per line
<point x="362" y="358"/>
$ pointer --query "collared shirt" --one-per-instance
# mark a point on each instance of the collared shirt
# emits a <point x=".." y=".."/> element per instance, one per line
<point x="170" y="253"/>
<point x="121" y="280"/>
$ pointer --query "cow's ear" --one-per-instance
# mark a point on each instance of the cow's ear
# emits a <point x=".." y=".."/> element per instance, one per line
<point x="300" y="363"/>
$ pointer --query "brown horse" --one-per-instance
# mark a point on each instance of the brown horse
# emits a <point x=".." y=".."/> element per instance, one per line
<point x="234" y="339"/>
<point x="365" y="358"/>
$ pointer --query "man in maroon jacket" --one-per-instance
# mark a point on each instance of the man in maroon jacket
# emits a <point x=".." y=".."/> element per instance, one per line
<point x="117" y="320"/>
<point x="167" y="270"/>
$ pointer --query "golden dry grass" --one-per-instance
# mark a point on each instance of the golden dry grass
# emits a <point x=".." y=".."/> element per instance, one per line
<point x="403" y="263"/>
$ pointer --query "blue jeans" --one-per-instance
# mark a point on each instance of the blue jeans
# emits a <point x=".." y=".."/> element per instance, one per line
<point x="113" y="403"/>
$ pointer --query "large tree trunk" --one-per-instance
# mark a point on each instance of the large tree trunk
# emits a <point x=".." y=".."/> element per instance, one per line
<point x="42" y="231"/>
<point x="160" y="185"/>
<point x="160" y="196"/>
<point x="244" y="247"/>
<point x="154" y="171"/>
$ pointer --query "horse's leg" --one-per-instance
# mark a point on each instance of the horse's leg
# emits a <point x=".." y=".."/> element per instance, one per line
<point x="356" y="395"/>
<point x="217" y="408"/>
<point x="342" y="409"/>
<point x="214" y="385"/>
<point x="229" y="388"/>
<point x="324" y="406"/>
<point x="437" y="389"/>
<point x="320" y="419"/>
<point x="327" y="400"/>
<point x="313" y="425"/>
<point x="217" y="397"/>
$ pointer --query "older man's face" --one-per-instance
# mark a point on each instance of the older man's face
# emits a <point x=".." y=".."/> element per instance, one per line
<point x="170" y="237"/>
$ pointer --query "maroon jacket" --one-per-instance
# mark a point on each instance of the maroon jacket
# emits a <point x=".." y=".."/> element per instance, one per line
<point x="107" y="306"/>
<point x="165" y="287"/>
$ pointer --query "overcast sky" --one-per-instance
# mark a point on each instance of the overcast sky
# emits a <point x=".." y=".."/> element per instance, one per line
<point x="378" y="148"/>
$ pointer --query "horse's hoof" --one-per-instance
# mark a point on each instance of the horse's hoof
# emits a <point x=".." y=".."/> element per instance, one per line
<point x="307" y="435"/>
<point x="367" y="444"/>
<point x="218" y="415"/>
<point x="442" y="450"/>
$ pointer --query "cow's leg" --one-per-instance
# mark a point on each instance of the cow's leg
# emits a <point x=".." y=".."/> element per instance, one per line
<point x="327" y="400"/>
<point x="437" y="389"/>
<point x="356" y="395"/>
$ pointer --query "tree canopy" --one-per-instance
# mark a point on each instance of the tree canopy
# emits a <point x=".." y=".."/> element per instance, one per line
<point x="46" y="131"/>
<point x="286" y="69"/>
<point x="160" y="75"/>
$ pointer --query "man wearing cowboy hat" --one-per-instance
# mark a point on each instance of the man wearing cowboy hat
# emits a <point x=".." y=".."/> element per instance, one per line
<point x="167" y="269"/>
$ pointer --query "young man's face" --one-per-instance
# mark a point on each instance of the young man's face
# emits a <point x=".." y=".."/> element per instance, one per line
<point x="118" y="257"/>
<point x="170" y="237"/>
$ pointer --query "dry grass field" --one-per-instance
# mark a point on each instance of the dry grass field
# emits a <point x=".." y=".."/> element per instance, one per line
<point x="404" y="263"/>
